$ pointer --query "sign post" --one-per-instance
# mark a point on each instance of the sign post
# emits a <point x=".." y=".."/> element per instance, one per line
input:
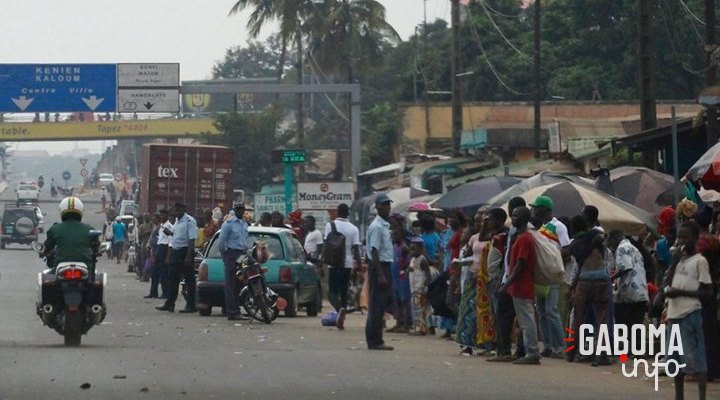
<point x="66" y="177"/>
<point x="288" y="158"/>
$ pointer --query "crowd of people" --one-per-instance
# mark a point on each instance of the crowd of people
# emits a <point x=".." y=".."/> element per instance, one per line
<point x="473" y="279"/>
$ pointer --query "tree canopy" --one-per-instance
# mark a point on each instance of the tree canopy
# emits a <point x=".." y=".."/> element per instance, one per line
<point x="589" y="51"/>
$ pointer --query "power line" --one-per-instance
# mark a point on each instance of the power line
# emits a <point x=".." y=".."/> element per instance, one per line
<point x="490" y="65"/>
<point x="690" y="13"/>
<point x="341" y="114"/>
<point x="520" y="15"/>
<point x="522" y="54"/>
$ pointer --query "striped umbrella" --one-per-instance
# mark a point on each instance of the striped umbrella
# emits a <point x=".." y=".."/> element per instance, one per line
<point x="470" y="196"/>
<point x="570" y="198"/>
<point x="643" y="187"/>
<point x="707" y="169"/>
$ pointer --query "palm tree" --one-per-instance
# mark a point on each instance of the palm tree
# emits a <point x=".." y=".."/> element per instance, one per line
<point x="292" y="15"/>
<point x="353" y="35"/>
<point x="263" y="12"/>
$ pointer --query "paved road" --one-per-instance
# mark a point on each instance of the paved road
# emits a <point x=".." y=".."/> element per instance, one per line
<point x="140" y="352"/>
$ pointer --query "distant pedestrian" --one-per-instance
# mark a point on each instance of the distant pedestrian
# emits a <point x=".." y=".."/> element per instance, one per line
<point x="277" y="220"/>
<point x="182" y="256"/>
<point x="547" y="300"/>
<point x="103" y="198"/>
<point x="233" y="243"/>
<point x="419" y="280"/>
<point x="521" y="284"/>
<point x="119" y="238"/>
<point x="339" y="273"/>
<point x="265" y="219"/>
<point x="687" y="283"/>
<point x="209" y="229"/>
<point x="631" y="299"/>
<point x="313" y="240"/>
<point x="151" y="249"/>
<point x="590" y="286"/>
<point x="380" y="256"/>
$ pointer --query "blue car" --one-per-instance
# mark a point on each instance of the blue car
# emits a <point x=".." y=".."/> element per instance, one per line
<point x="289" y="273"/>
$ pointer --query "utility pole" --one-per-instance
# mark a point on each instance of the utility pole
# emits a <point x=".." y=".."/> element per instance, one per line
<point x="538" y="84"/>
<point x="711" y="77"/>
<point x="457" y="117"/>
<point x="300" y="106"/>
<point x="648" y="117"/>
<point x="426" y="84"/>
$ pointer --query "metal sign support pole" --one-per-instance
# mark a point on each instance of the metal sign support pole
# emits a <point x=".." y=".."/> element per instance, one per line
<point x="288" y="187"/>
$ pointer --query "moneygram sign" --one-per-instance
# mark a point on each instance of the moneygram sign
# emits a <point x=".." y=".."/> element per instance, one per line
<point x="324" y="195"/>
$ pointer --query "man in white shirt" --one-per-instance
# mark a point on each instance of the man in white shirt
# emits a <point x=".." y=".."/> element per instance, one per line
<point x="313" y="240"/>
<point x="686" y="283"/>
<point x="160" y="257"/>
<point x="339" y="275"/>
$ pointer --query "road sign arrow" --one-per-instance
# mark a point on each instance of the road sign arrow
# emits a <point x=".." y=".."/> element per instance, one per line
<point x="93" y="102"/>
<point x="148" y="105"/>
<point x="22" y="103"/>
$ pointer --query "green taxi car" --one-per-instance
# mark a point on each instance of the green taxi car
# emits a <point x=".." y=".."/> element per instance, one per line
<point x="289" y="273"/>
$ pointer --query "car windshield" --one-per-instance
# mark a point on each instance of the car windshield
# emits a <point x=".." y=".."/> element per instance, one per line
<point x="129" y="209"/>
<point x="14" y="215"/>
<point x="273" y="243"/>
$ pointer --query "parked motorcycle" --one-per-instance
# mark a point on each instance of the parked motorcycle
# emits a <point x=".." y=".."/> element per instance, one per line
<point x="256" y="298"/>
<point x="72" y="299"/>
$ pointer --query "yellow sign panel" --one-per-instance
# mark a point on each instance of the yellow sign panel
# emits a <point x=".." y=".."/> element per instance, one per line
<point x="105" y="130"/>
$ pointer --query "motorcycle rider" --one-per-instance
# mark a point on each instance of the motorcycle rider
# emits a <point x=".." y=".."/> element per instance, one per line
<point x="70" y="240"/>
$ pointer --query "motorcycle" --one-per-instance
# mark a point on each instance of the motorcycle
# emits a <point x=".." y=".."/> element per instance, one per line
<point x="72" y="299"/>
<point x="256" y="298"/>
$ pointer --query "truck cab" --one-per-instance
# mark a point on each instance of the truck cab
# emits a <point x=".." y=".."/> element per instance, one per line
<point x="27" y="192"/>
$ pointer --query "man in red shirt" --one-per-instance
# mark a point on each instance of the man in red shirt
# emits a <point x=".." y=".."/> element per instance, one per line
<point x="521" y="284"/>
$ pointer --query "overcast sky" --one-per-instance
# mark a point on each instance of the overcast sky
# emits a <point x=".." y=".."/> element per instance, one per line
<point x="194" y="33"/>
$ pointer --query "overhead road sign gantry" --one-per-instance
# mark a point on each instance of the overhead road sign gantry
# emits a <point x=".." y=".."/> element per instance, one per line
<point x="58" y="88"/>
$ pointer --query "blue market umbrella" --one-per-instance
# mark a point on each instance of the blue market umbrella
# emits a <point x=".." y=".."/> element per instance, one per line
<point x="470" y="196"/>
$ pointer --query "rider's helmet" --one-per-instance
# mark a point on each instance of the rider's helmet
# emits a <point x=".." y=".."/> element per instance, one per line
<point x="71" y="206"/>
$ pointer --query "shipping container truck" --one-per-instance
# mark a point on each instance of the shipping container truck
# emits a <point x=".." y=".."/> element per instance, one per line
<point x="195" y="175"/>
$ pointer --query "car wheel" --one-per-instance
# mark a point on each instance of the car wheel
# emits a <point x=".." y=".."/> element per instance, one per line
<point x="205" y="312"/>
<point x="292" y="304"/>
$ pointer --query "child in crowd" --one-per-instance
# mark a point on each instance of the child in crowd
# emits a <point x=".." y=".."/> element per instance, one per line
<point x="419" y="279"/>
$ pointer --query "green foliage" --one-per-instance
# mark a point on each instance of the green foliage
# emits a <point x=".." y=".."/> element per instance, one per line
<point x="586" y="46"/>
<point x="252" y="137"/>
<point x="620" y="159"/>
<point x="382" y="134"/>
<point x="254" y="60"/>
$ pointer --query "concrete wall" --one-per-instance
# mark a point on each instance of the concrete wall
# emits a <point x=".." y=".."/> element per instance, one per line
<point x="518" y="115"/>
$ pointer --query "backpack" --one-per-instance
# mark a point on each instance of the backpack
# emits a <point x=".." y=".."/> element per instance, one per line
<point x="109" y="234"/>
<point x="549" y="269"/>
<point x="334" y="248"/>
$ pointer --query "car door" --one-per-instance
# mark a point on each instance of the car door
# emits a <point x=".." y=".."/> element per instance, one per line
<point x="307" y="276"/>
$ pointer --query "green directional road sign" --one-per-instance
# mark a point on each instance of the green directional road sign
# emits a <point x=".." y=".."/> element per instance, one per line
<point x="295" y="156"/>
